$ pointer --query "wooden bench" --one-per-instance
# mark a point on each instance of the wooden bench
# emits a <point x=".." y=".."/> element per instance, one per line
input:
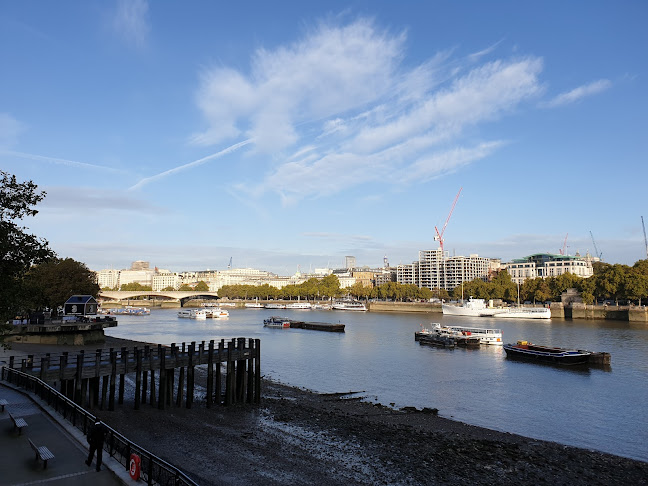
<point x="19" y="423"/>
<point x="3" y="402"/>
<point x="42" y="453"/>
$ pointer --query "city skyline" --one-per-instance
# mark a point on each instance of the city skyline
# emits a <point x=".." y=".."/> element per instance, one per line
<point x="292" y="135"/>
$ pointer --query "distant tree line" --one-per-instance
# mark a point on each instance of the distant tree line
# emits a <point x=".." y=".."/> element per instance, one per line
<point x="619" y="283"/>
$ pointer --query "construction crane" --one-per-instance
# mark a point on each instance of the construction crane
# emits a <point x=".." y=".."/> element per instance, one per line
<point x="439" y="236"/>
<point x="564" y="247"/>
<point x="596" y="252"/>
<point x="229" y="265"/>
<point x="645" y="239"/>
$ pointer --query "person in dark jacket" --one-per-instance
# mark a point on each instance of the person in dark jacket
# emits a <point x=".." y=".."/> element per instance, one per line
<point x="96" y="438"/>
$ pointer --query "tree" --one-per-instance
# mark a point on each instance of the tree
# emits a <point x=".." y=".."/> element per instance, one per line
<point x="19" y="249"/>
<point x="202" y="286"/>
<point x="51" y="283"/>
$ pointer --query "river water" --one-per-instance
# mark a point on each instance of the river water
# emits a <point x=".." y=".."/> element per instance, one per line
<point x="597" y="408"/>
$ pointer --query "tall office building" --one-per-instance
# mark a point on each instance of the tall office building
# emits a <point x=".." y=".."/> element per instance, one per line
<point x="349" y="262"/>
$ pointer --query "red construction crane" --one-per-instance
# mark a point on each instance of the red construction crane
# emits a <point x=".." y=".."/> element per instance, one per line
<point x="439" y="236"/>
<point x="562" y="250"/>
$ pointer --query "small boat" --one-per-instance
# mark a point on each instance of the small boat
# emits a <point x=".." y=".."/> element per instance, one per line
<point x="275" y="306"/>
<point x="546" y="354"/>
<point x="254" y="305"/>
<point x="299" y="305"/>
<point x="276" y="322"/>
<point x="446" y="335"/>
<point x="349" y="306"/>
<point x="192" y="314"/>
<point x="321" y="307"/>
<point x="486" y="336"/>
<point x="523" y="313"/>
<point x="216" y="312"/>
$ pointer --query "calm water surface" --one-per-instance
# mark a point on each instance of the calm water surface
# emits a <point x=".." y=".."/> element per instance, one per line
<point x="593" y="408"/>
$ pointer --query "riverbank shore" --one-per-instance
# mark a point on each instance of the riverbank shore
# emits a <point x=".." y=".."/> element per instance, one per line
<point x="299" y="437"/>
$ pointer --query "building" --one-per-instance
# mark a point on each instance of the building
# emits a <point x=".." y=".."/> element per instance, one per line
<point x="349" y="262"/>
<point x="545" y="265"/>
<point x="140" y="265"/>
<point x="108" y="279"/>
<point x="435" y="270"/>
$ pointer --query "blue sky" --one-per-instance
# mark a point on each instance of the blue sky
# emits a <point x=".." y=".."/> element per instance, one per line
<point x="287" y="135"/>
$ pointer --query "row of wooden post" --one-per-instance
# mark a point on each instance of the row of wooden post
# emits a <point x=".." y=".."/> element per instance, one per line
<point x="242" y="377"/>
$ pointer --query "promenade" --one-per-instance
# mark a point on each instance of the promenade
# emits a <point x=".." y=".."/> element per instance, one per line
<point x="45" y="427"/>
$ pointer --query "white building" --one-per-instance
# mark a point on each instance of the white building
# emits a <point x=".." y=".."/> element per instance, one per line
<point x="108" y="279"/>
<point x="435" y="270"/>
<point x="545" y="265"/>
<point x="165" y="280"/>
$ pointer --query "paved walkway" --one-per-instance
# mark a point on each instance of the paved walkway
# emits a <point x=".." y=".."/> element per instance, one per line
<point x="45" y="427"/>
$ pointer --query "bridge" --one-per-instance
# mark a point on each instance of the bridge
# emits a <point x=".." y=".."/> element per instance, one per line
<point x="181" y="296"/>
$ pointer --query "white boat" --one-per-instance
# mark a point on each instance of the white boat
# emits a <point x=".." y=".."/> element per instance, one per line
<point x="192" y="314"/>
<point x="216" y="312"/>
<point x="523" y="313"/>
<point x="486" y="336"/>
<point x="471" y="307"/>
<point x="299" y="305"/>
<point x="349" y="306"/>
<point x="253" y="305"/>
<point x="321" y="307"/>
<point x="275" y="306"/>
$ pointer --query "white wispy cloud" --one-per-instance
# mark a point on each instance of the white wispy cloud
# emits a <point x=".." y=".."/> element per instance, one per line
<point x="131" y="23"/>
<point x="344" y="103"/>
<point x="58" y="161"/>
<point x="10" y="130"/>
<point x="579" y="93"/>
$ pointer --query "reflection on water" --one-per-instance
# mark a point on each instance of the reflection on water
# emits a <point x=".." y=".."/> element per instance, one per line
<point x="594" y="408"/>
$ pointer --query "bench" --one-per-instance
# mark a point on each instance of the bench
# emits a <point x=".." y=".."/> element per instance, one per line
<point x="42" y="453"/>
<point x="19" y="423"/>
<point x="3" y="402"/>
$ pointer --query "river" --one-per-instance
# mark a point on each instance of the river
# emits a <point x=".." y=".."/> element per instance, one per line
<point x="596" y="408"/>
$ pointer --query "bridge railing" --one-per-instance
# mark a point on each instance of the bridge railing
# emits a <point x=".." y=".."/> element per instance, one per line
<point x="153" y="469"/>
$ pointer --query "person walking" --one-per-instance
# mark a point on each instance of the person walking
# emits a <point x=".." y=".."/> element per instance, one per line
<point x="96" y="438"/>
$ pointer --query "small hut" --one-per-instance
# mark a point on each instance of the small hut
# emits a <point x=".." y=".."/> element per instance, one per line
<point x="80" y="305"/>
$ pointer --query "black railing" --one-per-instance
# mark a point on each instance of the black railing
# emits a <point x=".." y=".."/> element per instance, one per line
<point x="153" y="469"/>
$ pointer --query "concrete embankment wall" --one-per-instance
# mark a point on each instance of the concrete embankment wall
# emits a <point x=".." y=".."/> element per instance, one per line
<point x="404" y="307"/>
<point x="613" y="312"/>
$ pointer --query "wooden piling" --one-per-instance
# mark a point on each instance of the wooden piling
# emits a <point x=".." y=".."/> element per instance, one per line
<point x="113" y="379"/>
<point x="210" y="374"/>
<point x="190" y="376"/>
<point x="257" y="371"/>
<point x="163" y="378"/>
<point x="138" y="377"/>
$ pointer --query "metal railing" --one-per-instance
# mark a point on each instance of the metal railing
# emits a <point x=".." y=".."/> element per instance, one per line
<point x="153" y="469"/>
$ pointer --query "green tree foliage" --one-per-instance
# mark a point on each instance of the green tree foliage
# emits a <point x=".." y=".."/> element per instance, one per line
<point x="19" y="249"/>
<point x="51" y="283"/>
<point x="202" y="286"/>
<point x="136" y="287"/>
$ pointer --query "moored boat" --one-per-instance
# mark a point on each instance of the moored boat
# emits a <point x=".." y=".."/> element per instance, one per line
<point x="275" y="321"/>
<point x="299" y="305"/>
<point x="349" y="306"/>
<point x="523" y="313"/>
<point x="192" y="314"/>
<point x="486" y="336"/>
<point x="471" y="307"/>
<point x="216" y="312"/>
<point x="546" y="354"/>
<point x="275" y="306"/>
